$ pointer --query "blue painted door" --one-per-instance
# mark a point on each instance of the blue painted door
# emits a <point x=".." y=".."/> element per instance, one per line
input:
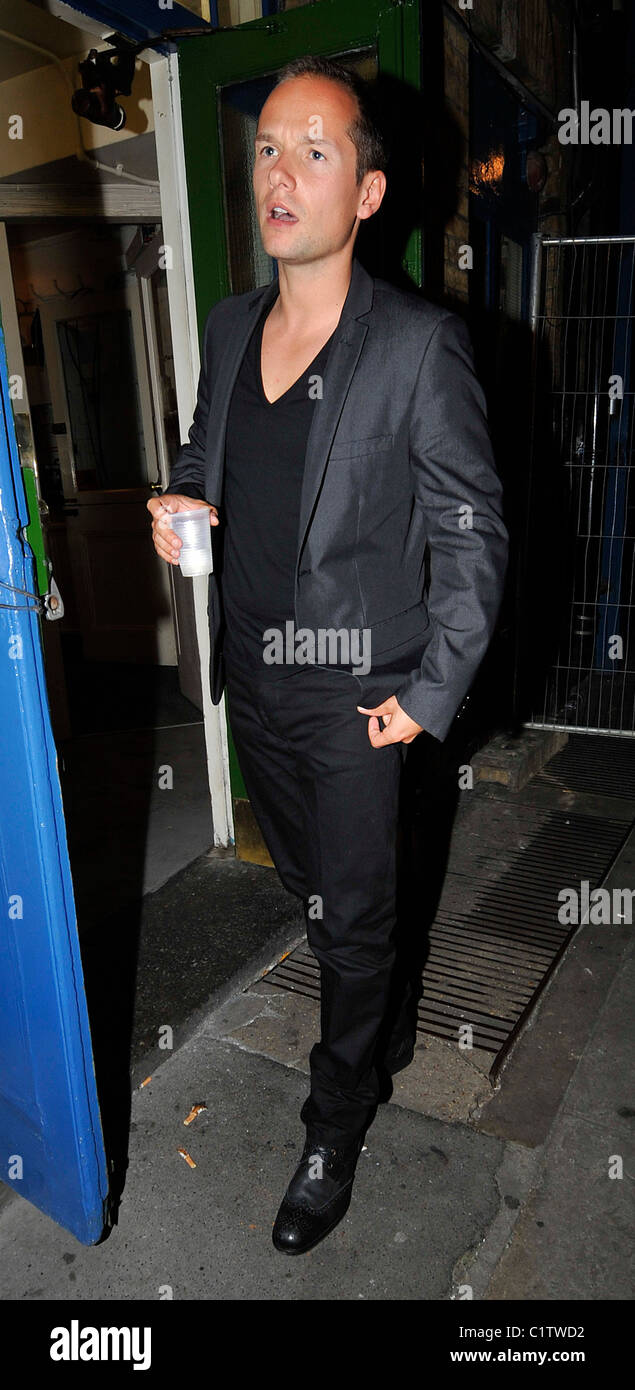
<point x="51" y="1144"/>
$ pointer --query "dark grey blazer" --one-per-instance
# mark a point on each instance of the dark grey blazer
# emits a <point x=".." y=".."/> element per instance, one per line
<point x="399" y="454"/>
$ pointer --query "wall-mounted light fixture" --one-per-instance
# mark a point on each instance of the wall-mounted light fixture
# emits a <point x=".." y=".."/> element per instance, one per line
<point x="106" y="74"/>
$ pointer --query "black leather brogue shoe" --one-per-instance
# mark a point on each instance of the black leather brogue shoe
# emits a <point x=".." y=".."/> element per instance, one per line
<point x="317" y="1197"/>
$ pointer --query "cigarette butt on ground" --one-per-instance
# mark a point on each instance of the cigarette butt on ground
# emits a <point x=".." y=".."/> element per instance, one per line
<point x="188" y="1158"/>
<point x="196" y="1110"/>
<point x="145" y="1083"/>
<point x="271" y="967"/>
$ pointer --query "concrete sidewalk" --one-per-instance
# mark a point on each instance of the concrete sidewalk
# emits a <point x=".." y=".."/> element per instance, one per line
<point x="515" y="1201"/>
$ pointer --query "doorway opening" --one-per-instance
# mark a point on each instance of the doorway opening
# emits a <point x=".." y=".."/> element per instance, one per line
<point x="95" y="333"/>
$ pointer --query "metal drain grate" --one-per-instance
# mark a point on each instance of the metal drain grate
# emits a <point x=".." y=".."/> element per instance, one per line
<point x="593" y="763"/>
<point x="486" y="966"/>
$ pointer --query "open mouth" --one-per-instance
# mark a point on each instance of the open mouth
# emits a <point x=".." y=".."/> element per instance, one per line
<point x="278" y="213"/>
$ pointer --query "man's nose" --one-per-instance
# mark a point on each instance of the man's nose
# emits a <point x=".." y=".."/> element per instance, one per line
<point x="281" y="174"/>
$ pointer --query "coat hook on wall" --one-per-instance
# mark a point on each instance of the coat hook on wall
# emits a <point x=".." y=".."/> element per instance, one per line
<point x="81" y="288"/>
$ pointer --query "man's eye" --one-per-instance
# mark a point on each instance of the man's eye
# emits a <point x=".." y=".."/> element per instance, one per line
<point x="266" y="148"/>
<point x="318" y="153"/>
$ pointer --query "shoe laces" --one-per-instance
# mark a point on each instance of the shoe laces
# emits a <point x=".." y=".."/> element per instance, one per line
<point x="332" y="1152"/>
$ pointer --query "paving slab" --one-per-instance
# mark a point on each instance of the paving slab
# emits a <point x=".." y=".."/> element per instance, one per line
<point x="423" y="1195"/>
<point x="442" y="1080"/>
<point x="574" y="1238"/>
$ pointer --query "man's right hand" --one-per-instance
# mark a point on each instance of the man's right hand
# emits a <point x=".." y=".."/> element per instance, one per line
<point x="166" y="543"/>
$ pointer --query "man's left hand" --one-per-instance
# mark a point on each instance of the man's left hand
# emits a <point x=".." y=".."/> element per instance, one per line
<point x="400" y="727"/>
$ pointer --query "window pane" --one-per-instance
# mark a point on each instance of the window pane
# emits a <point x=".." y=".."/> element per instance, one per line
<point x="102" y="393"/>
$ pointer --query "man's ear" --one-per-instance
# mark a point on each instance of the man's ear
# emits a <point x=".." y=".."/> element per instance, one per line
<point x="371" y="193"/>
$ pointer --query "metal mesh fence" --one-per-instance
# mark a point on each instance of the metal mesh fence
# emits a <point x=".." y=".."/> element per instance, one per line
<point x="580" y="525"/>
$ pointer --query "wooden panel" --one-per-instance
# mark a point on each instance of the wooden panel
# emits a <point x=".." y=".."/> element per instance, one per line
<point x="120" y="590"/>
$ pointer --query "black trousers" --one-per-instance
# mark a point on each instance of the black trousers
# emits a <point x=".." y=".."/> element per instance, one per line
<point x="328" y="805"/>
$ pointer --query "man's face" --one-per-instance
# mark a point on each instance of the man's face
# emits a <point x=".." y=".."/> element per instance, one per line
<point x="307" y="196"/>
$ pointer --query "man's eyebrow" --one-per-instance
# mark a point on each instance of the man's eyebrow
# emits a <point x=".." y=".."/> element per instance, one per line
<point x="304" y="139"/>
<point x="309" y="140"/>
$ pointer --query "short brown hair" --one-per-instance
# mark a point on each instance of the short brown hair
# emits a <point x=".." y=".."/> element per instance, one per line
<point x="364" y="131"/>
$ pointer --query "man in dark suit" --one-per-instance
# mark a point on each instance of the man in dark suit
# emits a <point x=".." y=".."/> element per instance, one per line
<point x="339" y="431"/>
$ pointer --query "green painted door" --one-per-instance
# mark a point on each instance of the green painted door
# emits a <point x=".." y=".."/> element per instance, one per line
<point x="225" y="77"/>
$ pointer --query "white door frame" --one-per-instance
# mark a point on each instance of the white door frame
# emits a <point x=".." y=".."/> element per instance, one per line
<point x="13" y="349"/>
<point x="175" y="220"/>
<point x="154" y="374"/>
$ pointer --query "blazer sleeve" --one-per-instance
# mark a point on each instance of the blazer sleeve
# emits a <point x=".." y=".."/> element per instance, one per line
<point x="187" y="474"/>
<point x="456" y="483"/>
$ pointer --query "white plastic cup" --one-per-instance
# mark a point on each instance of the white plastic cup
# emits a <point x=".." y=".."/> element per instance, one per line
<point x="195" y="531"/>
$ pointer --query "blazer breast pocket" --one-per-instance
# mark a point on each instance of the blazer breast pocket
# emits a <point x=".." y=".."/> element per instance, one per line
<point x="354" y="448"/>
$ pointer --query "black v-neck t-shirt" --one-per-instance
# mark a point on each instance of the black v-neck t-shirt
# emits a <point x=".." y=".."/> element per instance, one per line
<point x="264" y="467"/>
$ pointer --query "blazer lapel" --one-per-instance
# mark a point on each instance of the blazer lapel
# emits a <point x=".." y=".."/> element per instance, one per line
<point x="343" y="357"/>
<point x="233" y="353"/>
<point x="346" y="347"/>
